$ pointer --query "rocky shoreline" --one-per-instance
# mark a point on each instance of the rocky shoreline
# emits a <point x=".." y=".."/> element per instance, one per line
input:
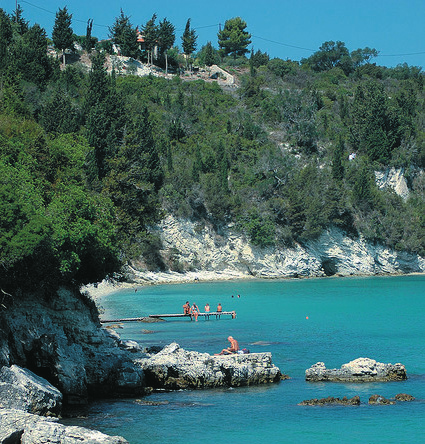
<point x="54" y="352"/>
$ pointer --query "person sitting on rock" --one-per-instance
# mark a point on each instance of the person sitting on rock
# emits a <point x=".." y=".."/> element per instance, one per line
<point x="234" y="347"/>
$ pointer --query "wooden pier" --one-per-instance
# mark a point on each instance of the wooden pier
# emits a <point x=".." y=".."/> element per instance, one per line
<point x="217" y="315"/>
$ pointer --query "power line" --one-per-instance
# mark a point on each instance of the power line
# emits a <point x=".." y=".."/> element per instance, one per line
<point x="284" y="44"/>
<point x="54" y="13"/>
<point x="217" y="24"/>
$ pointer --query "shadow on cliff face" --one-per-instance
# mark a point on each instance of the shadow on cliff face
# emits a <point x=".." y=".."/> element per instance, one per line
<point x="330" y="266"/>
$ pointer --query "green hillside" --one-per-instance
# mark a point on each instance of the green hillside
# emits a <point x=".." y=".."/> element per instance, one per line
<point x="90" y="160"/>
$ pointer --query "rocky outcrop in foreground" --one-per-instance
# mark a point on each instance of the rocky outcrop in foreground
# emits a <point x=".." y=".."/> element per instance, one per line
<point x="60" y="338"/>
<point x="23" y="390"/>
<point x="175" y="368"/>
<point x="21" y="427"/>
<point x="359" y="370"/>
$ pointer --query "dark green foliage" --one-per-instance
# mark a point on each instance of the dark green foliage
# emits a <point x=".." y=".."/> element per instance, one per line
<point x="89" y="42"/>
<point x="233" y="39"/>
<point x="20" y="24"/>
<point x="338" y="161"/>
<point x="259" y="59"/>
<point x="336" y="55"/>
<point x="5" y="38"/>
<point x="151" y="34"/>
<point x="59" y="115"/>
<point x="125" y="35"/>
<point x="29" y="57"/>
<point x="62" y="34"/>
<point x="189" y="38"/>
<point x="166" y="38"/>
<point x="89" y="163"/>
<point x="376" y="127"/>
<point x="208" y="55"/>
<point x="52" y="231"/>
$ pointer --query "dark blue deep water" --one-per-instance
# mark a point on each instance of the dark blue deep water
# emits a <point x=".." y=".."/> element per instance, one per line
<point x="380" y="318"/>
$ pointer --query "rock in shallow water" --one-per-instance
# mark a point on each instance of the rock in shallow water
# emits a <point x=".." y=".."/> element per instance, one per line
<point x="359" y="370"/>
<point x="330" y="400"/>
<point x="174" y="368"/>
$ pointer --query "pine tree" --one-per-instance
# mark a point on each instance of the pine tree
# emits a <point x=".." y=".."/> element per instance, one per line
<point x="233" y="39"/>
<point x="62" y="34"/>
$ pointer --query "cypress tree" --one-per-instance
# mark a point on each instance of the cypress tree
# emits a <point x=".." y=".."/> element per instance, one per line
<point x="62" y="34"/>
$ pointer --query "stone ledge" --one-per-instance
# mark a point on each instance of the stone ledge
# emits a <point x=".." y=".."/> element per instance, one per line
<point x="174" y="368"/>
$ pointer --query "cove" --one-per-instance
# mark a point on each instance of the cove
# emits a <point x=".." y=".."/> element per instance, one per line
<point x="376" y="317"/>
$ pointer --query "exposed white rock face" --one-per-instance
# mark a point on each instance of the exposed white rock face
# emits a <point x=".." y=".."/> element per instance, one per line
<point x="229" y="254"/>
<point x="393" y="178"/>
<point x="175" y="368"/>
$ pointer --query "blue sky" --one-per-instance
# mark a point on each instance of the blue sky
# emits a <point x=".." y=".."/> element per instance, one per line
<point x="287" y="29"/>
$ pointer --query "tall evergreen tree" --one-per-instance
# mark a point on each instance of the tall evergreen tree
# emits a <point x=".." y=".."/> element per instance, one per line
<point x="166" y="38"/>
<point x="62" y="34"/>
<point x="233" y="38"/>
<point x="20" y="24"/>
<point x="124" y="35"/>
<point x="29" y="56"/>
<point x="88" y="40"/>
<point x="209" y="54"/>
<point x="189" y="40"/>
<point x="5" y="38"/>
<point x="150" y="34"/>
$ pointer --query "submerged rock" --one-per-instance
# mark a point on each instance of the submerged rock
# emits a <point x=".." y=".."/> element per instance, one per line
<point x="359" y="370"/>
<point x="404" y="397"/>
<point x="23" y="390"/>
<point x="330" y="400"/>
<point x="175" y="368"/>
<point x="378" y="399"/>
<point x="20" y="427"/>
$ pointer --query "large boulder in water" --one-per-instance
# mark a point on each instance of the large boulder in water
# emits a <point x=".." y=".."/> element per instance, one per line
<point x="175" y="368"/>
<point x="23" y="390"/>
<point x="18" y="427"/>
<point x="359" y="370"/>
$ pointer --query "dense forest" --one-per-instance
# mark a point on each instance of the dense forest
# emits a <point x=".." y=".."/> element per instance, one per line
<point x="91" y="161"/>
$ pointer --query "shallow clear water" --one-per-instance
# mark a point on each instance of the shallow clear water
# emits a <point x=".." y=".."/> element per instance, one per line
<point x="380" y="318"/>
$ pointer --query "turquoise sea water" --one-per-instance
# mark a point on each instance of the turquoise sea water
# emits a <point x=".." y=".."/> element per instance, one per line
<point x="381" y="318"/>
